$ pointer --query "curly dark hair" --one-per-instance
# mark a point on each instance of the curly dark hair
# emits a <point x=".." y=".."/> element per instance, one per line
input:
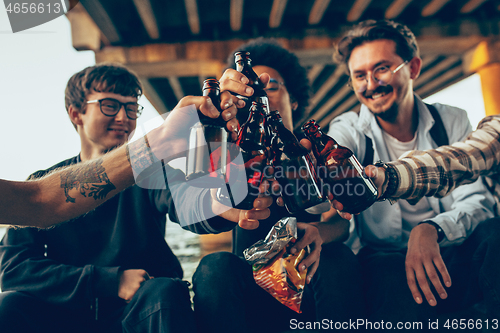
<point x="106" y="77"/>
<point x="268" y="52"/>
<point x="371" y="30"/>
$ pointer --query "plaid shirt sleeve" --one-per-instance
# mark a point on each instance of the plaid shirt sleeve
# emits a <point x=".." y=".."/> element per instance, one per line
<point x="437" y="172"/>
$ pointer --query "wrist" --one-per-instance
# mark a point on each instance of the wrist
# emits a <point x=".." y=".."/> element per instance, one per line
<point x="440" y="232"/>
<point x="391" y="181"/>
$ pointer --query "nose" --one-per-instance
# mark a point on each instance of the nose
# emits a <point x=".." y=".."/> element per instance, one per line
<point x="371" y="83"/>
<point x="122" y="114"/>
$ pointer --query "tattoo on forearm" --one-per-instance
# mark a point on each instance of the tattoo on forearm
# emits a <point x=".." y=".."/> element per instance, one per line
<point x="139" y="155"/>
<point x="90" y="179"/>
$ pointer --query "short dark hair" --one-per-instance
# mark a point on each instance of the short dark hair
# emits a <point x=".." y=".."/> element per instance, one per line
<point x="371" y="30"/>
<point x="106" y="77"/>
<point x="268" y="52"/>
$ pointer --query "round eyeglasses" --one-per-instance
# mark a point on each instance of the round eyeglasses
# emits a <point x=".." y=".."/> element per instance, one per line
<point x="382" y="75"/>
<point x="273" y="86"/>
<point x="110" y="107"/>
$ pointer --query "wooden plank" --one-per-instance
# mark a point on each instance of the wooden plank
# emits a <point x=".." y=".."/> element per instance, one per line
<point x="433" y="7"/>
<point x="176" y="87"/>
<point x="439" y="83"/>
<point x="85" y="35"/>
<point x="277" y="11"/>
<point x="396" y="8"/>
<point x="192" y="16"/>
<point x="102" y="19"/>
<point x="357" y="9"/>
<point x="236" y="14"/>
<point x="318" y="11"/>
<point x="148" y="18"/>
<point x="438" y="68"/>
<point x="334" y="100"/>
<point x="179" y="68"/>
<point x="470" y="6"/>
<point x="313" y="73"/>
<point x="347" y="105"/>
<point x="326" y="87"/>
<point x="447" y="45"/>
<point x="153" y="97"/>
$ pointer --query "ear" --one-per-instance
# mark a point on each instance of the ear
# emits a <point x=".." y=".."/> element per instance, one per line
<point x="295" y="105"/>
<point x="415" y="67"/>
<point x="75" y="116"/>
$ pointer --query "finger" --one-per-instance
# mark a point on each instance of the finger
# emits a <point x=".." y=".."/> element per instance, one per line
<point x="423" y="283"/>
<point x="412" y="284"/>
<point x="233" y="126"/>
<point x="235" y="82"/>
<point x="248" y="224"/>
<point x="436" y="282"/>
<point x="306" y="143"/>
<point x="264" y="78"/>
<point x="312" y="271"/>
<point x="208" y="108"/>
<point x="377" y="175"/>
<point x="280" y="202"/>
<point x="441" y="267"/>
<point x="257" y="214"/>
<point x="310" y="260"/>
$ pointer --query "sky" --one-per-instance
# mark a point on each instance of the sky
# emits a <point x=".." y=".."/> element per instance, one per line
<point x="35" y="66"/>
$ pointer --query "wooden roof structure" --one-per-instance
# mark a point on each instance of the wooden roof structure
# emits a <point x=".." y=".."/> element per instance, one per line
<point x="173" y="45"/>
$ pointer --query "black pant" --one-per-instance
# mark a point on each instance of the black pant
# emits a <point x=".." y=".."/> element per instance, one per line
<point x="160" y="305"/>
<point x="227" y="299"/>
<point x="474" y="268"/>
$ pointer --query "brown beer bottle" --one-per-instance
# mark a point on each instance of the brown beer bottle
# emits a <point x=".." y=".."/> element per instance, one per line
<point x="207" y="156"/>
<point x="293" y="169"/>
<point x="340" y="171"/>
<point x="252" y="142"/>
<point x="244" y="66"/>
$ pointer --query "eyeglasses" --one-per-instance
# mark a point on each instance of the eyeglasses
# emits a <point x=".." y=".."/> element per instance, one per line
<point x="382" y="75"/>
<point x="273" y="86"/>
<point x="110" y="107"/>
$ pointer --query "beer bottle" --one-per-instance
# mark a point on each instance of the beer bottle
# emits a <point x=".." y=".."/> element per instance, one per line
<point x="244" y="66"/>
<point x="293" y="169"/>
<point x="340" y="171"/>
<point x="207" y="156"/>
<point x="252" y="141"/>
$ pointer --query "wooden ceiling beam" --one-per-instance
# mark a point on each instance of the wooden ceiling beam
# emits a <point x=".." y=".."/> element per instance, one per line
<point x="440" y="82"/>
<point x="330" y="104"/>
<point x="357" y="10"/>
<point x="152" y="96"/>
<point x="433" y="7"/>
<point x="318" y="11"/>
<point x="470" y="6"/>
<point x="85" y="34"/>
<point x="179" y="68"/>
<point x="313" y="73"/>
<point x="102" y="20"/>
<point x="326" y="87"/>
<point x="277" y="11"/>
<point x="396" y="8"/>
<point x="236" y="14"/>
<point x="347" y="105"/>
<point x="148" y="18"/>
<point x="193" y="16"/>
<point x="435" y="70"/>
<point x="175" y="84"/>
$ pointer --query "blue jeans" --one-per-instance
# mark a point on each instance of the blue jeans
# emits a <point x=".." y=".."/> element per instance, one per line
<point x="160" y="305"/>
<point x="473" y="266"/>
<point x="227" y="299"/>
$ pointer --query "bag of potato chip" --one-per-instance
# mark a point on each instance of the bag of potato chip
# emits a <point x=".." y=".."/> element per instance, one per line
<point x="274" y="268"/>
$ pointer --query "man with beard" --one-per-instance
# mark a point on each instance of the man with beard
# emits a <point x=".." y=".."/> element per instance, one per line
<point x="408" y="252"/>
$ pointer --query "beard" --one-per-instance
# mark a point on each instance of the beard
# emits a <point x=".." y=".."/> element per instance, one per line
<point x="391" y="113"/>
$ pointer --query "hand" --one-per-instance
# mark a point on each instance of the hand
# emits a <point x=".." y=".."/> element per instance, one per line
<point x="236" y="83"/>
<point x="246" y="219"/>
<point x="170" y="139"/>
<point x="422" y="259"/>
<point x="130" y="282"/>
<point x="312" y="238"/>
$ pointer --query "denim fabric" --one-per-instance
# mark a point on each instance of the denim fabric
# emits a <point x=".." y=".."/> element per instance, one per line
<point x="227" y="299"/>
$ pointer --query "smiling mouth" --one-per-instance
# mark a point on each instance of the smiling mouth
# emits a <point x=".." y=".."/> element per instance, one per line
<point x="378" y="94"/>
<point x="118" y="131"/>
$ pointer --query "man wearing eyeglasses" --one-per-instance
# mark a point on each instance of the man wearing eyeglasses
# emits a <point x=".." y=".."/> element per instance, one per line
<point x="408" y="253"/>
<point x="111" y="269"/>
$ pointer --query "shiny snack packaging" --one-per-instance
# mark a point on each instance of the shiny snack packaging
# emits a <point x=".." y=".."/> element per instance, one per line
<point x="274" y="268"/>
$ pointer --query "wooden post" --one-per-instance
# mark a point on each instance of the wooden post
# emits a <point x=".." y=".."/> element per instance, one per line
<point x="485" y="60"/>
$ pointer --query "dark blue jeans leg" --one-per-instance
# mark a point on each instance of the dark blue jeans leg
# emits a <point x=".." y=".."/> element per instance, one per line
<point x="337" y="285"/>
<point x="228" y="300"/>
<point x="388" y="296"/>
<point x="160" y="305"/>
